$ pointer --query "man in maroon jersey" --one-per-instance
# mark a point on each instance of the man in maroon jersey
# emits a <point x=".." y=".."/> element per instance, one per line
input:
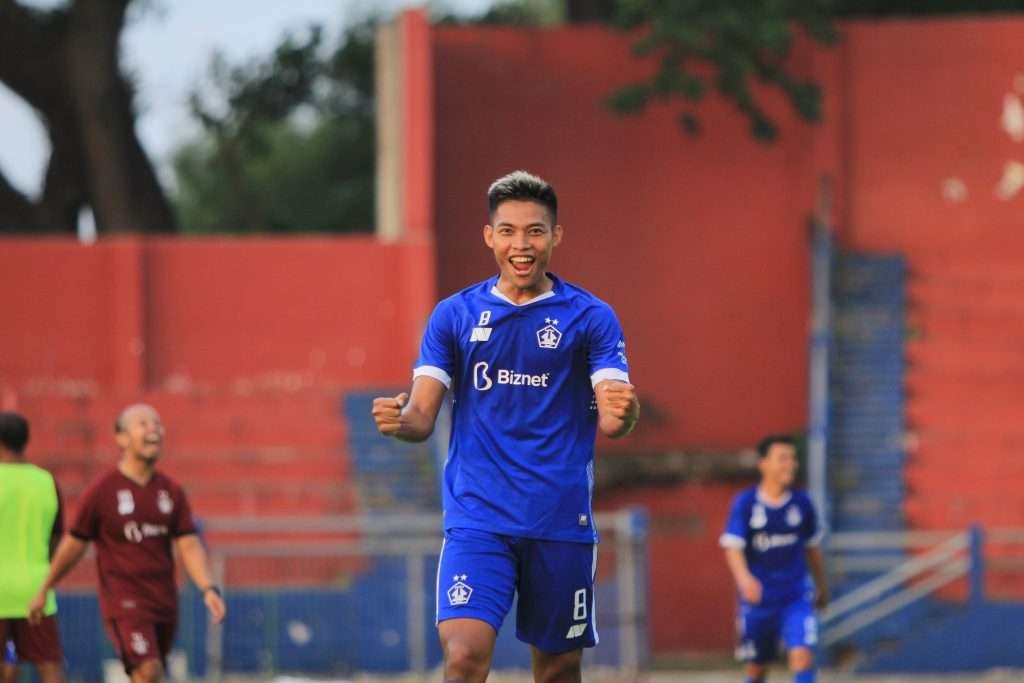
<point x="132" y="514"/>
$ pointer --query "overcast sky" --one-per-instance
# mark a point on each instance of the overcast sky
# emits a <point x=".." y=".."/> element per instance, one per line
<point x="168" y="47"/>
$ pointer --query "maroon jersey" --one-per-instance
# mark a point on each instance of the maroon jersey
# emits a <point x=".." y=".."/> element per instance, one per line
<point x="132" y="527"/>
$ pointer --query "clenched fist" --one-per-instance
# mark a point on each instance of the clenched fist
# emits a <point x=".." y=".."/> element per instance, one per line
<point x="387" y="413"/>
<point x="617" y="399"/>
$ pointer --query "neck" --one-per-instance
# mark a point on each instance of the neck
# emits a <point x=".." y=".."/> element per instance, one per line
<point x="136" y="469"/>
<point x="524" y="294"/>
<point x="772" y="491"/>
<point x="9" y="456"/>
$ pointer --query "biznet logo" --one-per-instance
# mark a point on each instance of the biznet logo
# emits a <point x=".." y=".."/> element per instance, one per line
<point x="483" y="382"/>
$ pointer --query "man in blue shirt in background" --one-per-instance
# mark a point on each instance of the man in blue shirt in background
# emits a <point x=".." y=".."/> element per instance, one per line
<point x="771" y="543"/>
<point x="536" y="365"/>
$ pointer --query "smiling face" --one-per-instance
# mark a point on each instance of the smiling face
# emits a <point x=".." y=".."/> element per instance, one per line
<point x="522" y="237"/>
<point x="779" y="465"/>
<point x="140" y="434"/>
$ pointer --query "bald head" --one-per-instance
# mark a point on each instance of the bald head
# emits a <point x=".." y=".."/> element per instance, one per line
<point x="139" y="432"/>
<point x="133" y="412"/>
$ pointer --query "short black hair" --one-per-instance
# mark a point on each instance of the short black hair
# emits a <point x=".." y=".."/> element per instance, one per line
<point x="523" y="186"/>
<point x="13" y="431"/>
<point x="765" y="444"/>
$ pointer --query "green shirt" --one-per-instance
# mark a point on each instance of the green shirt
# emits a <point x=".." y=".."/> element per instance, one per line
<point x="29" y="509"/>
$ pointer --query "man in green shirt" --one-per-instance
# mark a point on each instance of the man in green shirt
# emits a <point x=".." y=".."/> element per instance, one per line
<point x="30" y="524"/>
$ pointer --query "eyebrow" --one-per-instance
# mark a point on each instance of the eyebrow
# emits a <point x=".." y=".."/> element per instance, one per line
<point x="535" y="224"/>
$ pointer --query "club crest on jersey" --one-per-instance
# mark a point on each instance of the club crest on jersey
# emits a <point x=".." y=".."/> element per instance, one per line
<point x="758" y="518"/>
<point x="125" y="502"/>
<point x="793" y="516"/>
<point x="549" y="336"/>
<point x="460" y="591"/>
<point x="164" y="502"/>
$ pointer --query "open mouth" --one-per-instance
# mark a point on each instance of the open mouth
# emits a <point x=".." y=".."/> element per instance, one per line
<point x="522" y="265"/>
<point x="152" y="440"/>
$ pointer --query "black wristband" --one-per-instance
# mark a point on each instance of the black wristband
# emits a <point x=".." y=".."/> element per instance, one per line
<point x="214" y="589"/>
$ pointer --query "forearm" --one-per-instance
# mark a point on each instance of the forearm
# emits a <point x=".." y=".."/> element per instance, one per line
<point x="414" y="425"/>
<point x="195" y="561"/>
<point x="737" y="563"/>
<point x="69" y="551"/>
<point x="616" y="427"/>
<point x="816" y="564"/>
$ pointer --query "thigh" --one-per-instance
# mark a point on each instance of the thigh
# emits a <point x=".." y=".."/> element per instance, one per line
<point x="556" y="595"/>
<point x="138" y="640"/>
<point x="36" y="643"/>
<point x="799" y="625"/>
<point x="476" y="577"/>
<point x="758" y="633"/>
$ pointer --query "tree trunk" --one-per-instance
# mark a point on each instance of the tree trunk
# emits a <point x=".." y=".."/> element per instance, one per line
<point x="65" y="64"/>
<point x="123" y="187"/>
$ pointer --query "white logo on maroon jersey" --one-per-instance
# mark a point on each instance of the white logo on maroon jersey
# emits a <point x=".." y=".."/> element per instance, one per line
<point x="132" y="532"/>
<point x="164" y="502"/>
<point x="139" y="643"/>
<point x="125" y="502"/>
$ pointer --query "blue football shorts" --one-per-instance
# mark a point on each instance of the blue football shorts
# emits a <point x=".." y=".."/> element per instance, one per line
<point x="762" y="626"/>
<point x="479" y="574"/>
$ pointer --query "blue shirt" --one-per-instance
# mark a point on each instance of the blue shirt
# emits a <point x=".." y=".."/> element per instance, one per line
<point x="521" y="454"/>
<point x="774" y="539"/>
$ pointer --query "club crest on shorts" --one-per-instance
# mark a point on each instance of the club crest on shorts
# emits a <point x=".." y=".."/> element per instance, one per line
<point x="125" y="502"/>
<point x="164" y="502"/>
<point x="460" y="591"/>
<point x="139" y="644"/>
<point x="549" y="336"/>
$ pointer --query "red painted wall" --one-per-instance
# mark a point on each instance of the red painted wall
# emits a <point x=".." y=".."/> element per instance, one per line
<point x="185" y="315"/>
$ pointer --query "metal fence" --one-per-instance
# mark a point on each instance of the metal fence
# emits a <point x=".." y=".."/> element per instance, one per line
<point x="343" y="596"/>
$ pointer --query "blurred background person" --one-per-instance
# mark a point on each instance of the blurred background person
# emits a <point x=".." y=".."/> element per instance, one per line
<point x="133" y="513"/>
<point x="30" y="524"/>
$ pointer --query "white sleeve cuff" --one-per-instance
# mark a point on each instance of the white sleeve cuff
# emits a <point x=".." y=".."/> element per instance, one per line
<point x="732" y="541"/>
<point x="435" y="372"/>
<point x="816" y="539"/>
<point x="608" y="373"/>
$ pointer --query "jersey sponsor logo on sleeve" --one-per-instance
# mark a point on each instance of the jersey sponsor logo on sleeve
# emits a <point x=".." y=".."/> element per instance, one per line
<point x="549" y="336"/>
<point x="482" y="380"/>
<point x="125" y="502"/>
<point x="460" y="592"/>
<point x="622" y="352"/>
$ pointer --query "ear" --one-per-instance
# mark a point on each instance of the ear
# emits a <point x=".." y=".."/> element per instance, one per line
<point x="121" y="438"/>
<point x="489" y="236"/>
<point x="556" y="235"/>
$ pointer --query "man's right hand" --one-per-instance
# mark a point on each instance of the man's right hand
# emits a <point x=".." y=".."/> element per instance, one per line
<point x="750" y="589"/>
<point x="36" y="607"/>
<point x="387" y="413"/>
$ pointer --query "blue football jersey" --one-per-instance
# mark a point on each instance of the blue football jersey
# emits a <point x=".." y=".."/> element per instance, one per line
<point x="521" y="453"/>
<point x="774" y="539"/>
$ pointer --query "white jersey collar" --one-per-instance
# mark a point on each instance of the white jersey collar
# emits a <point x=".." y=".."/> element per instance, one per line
<point x="540" y="297"/>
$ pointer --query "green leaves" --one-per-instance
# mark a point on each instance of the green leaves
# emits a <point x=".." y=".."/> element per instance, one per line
<point x="287" y="143"/>
<point x="739" y="41"/>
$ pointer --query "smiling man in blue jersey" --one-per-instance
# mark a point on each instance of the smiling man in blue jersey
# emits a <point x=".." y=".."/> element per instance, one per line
<point x="771" y="543"/>
<point x="536" y="366"/>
